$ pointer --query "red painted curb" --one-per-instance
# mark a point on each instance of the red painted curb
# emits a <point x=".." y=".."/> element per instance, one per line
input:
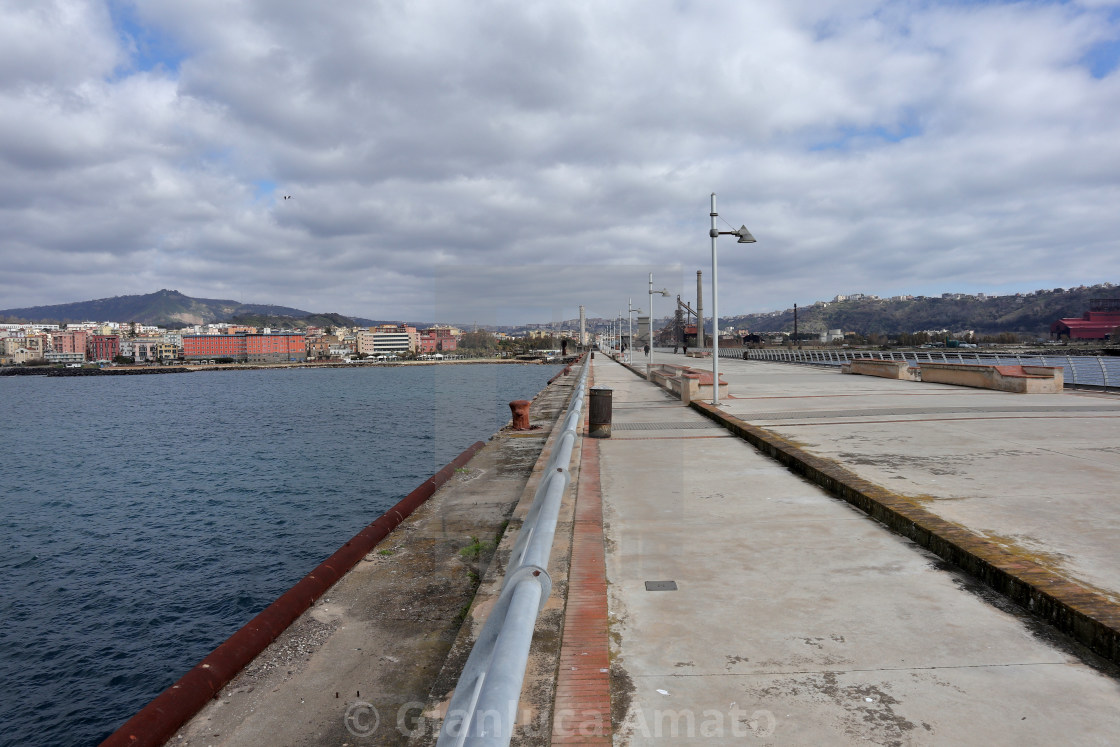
<point x="156" y="722"/>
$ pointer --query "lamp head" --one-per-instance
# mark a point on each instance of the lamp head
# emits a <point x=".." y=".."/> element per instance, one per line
<point x="745" y="236"/>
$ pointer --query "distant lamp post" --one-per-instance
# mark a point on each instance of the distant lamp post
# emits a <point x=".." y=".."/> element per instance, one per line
<point x="620" y="334"/>
<point x="744" y="238"/>
<point x="630" y="309"/>
<point x="652" y="291"/>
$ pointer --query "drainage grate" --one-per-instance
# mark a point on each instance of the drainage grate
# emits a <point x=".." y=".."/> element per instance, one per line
<point x="661" y="585"/>
<point x="665" y="426"/>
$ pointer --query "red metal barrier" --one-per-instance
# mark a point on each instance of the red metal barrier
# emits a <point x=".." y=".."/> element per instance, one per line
<point x="158" y="721"/>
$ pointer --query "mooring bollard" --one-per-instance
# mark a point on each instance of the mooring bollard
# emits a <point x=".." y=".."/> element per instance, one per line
<point x="599" y="412"/>
<point x="520" y="410"/>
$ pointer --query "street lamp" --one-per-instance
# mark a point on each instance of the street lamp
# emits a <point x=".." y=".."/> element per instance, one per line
<point x="630" y="329"/>
<point x="744" y="238"/>
<point x="620" y="334"/>
<point x="662" y="291"/>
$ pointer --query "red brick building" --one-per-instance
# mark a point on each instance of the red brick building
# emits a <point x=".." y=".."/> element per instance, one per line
<point x="284" y="347"/>
<point x="278" y="348"/>
<point x="213" y="347"/>
<point x="103" y="347"/>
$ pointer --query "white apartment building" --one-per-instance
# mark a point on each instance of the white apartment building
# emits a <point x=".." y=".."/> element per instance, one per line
<point x="388" y="339"/>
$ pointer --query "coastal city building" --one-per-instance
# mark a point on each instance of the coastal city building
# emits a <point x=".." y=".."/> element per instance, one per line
<point x="70" y="341"/>
<point x="55" y="356"/>
<point x="132" y="342"/>
<point x="438" y="340"/>
<point x="1098" y="323"/>
<point x="143" y="349"/>
<point x="283" y="347"/>
<point x="103" y="347"/>
<point x="388" y="339"/>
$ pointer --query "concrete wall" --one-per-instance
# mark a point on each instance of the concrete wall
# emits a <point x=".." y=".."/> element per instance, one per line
<point x="687" y="383"/>
<point x="882" y="368"/>
<point x="1019" y="379"/>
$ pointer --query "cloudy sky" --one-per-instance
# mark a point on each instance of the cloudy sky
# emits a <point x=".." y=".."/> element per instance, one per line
<point x="505" y="161"/>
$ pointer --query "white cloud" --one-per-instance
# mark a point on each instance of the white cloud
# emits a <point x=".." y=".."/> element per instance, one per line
<point x="869" y="146"/>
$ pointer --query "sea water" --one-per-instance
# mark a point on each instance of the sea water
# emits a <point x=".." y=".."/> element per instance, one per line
<point x="144" y="519"/>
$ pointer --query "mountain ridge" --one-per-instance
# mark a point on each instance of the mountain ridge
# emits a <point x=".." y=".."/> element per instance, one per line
<point x="170" y="308"/>
<point x="1021" y="313"/>
<point x="1029" y="313"/>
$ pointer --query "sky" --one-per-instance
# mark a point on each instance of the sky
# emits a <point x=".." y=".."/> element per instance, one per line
<point x="506" y="161"/>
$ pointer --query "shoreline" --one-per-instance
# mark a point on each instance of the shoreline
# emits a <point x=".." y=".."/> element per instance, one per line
<point x="134" y="370"/>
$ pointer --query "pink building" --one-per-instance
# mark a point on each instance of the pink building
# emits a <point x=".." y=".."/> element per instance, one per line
<point x="70" y="341"/>
<point x="437" y="340"/>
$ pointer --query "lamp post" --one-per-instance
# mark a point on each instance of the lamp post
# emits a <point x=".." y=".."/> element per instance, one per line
<point x="620" y="334"/>
<point x="663" y="292"/>
<point x="744" y="238"/>
<point x="630" y="329"/>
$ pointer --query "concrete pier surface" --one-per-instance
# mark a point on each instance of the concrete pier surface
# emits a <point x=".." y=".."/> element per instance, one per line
<point x="748" y="605"/>
<point x="357" y="667"/>
<point x="1038" y="474"/>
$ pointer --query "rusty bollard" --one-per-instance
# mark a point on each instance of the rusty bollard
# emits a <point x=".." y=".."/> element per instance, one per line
<point x="520" y="409"/>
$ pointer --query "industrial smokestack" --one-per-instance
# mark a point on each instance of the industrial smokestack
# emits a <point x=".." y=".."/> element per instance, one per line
<point x="699" y="309"/>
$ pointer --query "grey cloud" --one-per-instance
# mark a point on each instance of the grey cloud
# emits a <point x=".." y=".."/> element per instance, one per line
<point x="439" y="152"/>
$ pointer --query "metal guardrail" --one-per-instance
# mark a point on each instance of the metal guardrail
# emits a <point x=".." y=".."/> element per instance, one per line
<point x="484" y="707"/>
<point x="1079" y="370"/>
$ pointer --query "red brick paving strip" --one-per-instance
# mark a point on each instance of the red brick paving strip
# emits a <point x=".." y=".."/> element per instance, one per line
<point x="582" y="711"/>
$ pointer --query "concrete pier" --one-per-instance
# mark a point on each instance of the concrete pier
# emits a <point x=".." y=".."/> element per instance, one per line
<point x="746" y="604"/>
<point x="359" y="665"/>
<point x="718" y="577"/>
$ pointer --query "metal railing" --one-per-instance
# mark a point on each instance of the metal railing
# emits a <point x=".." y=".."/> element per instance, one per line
<point x="484" y="707"/>
<point x="1079" y="370"/>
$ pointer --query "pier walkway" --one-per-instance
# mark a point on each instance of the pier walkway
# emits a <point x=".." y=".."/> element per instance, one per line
<point x="707" y="590"/>
<point x="746" y="604"/>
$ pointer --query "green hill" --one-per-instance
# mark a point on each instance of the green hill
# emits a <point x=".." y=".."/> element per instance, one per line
<point x="1028" y="314"/>
<point x="164" y="308"/>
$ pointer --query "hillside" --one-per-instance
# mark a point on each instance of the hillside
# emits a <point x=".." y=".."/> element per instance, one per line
<point x="165" y="308"/>
<point x="282" y="321"/>
<point x="1026" y="314"/>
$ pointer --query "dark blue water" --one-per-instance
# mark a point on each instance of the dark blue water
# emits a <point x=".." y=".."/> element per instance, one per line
<point x="144" y="519"/>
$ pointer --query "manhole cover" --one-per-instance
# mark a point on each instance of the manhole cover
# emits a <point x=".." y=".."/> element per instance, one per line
<point x="661" y="585"/>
